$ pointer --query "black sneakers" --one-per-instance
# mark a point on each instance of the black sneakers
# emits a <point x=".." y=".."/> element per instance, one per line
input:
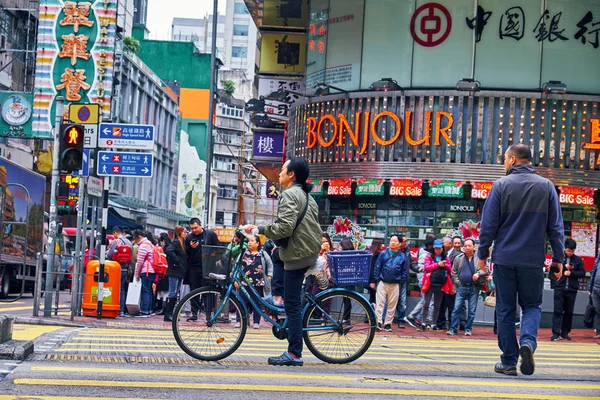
<point x="387" y="328"/>
<point x="510" y="370"/>
<point x="554" y="338"/>
<point x="565" y="337"/>
<point x="379" y="327"/>
<point x="527" y="363"/>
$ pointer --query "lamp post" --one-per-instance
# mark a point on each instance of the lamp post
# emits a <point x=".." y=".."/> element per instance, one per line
<point x="211" y="111"/>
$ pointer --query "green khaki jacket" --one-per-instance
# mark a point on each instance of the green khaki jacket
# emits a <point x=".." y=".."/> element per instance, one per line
<point x="304" y="245"/>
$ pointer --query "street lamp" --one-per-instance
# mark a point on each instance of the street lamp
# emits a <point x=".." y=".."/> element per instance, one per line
<point x="468" y="84"/>
<point x="554" y="87"/>
<point x="385" y="85"/>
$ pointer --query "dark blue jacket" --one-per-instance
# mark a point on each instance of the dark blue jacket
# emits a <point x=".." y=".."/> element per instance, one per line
<point x="390" y="268"/>
<point x="594" y="272"/>
<point x="521" y="209"/>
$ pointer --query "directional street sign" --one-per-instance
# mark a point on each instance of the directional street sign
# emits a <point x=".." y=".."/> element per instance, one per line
<point x="126" y="136"/>
<point x="125" y="164"/>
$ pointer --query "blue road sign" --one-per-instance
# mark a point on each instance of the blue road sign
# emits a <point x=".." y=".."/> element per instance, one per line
<point x="126" y="136"/>
<point x="85" y="165"/>
<point x="124" y="164"/>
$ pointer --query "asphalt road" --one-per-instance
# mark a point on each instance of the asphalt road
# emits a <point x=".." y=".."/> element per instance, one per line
<point x="146" y="363"/>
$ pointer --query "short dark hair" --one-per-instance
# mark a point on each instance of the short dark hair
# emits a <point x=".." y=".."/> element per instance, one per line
<point x="570" y="244"/>
<point x="520" y="151"/>
<point x="138" y="233"/>
<point x="471" y="240"/>
<point x="397" y="236"/>
<point x="457" y="237"/>
<point x="116" y="229"/>
<point x="195" y="220"/>
<point x="430" y="236"/>
<point x="346" y="244"/>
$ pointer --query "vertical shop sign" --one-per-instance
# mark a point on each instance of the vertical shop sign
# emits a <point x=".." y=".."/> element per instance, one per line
<point x="75" y="57"/>
<point x="446" y="188"/>
<point x="339" y="187"/>
<point x="481" y="190"/>
<point x="406" y="187"/>
<point x="584" y="233"/>
<point x="369" y="187"/>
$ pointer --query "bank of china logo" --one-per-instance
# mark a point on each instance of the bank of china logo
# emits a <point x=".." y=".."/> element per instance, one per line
<point x="16" y="110"/>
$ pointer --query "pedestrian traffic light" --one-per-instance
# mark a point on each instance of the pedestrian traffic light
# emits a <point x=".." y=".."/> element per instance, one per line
<point x="71" y="148"/>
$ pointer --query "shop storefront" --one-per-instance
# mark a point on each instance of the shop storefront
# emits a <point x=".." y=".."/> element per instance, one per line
<point x="418" y="162"/>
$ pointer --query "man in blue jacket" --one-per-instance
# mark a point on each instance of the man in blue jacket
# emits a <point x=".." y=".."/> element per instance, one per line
<point x="389" y="274"/>
<point x="521" y="209"/>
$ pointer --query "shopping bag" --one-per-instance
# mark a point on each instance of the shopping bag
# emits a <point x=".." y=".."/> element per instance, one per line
<point x="490" y="299"/>
<point x="132" y="301"/>
<point x="426" y="282"/>
<point x="588" y="317"/>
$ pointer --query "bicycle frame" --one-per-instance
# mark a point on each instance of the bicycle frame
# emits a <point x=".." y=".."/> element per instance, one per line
<point x="245" y="295"/>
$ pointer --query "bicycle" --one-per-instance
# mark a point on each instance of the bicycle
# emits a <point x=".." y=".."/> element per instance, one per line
<point x="339" y="324"/>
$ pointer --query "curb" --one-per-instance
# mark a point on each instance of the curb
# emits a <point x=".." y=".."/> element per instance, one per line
<point x="43" y="321"/>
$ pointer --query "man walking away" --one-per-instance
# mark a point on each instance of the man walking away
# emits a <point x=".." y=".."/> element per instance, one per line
<point x="521" y="209"/>
<point x="565" y="292"/>
<point x="121" y="251"/>
<point x="465" y="277"/>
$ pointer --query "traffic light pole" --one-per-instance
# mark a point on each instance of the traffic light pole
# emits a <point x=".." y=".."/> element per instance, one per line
<point x="103" y="245"/>
<point x="52" y="225"/>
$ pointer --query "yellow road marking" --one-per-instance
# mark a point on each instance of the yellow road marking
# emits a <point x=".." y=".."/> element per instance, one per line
<point x="30" y="397"/>
<point x="34" y="331"/>
<point x="309" y="377"/>
<point x="292" y="389"/>
<point x="584" y="363"/>
<point x="81" y="346"/>
<point x="25" y="308"/>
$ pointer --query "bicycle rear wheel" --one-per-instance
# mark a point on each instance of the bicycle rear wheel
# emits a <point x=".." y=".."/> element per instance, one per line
<point x="202" y="339"/>
<point x="354" y="335"/>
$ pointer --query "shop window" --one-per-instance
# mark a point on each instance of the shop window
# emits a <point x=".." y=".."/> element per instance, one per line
<point x="239" y="52"/>
<point x="220" y="218"/>
<point x="240" y="8"/>
<point x="240" y="30"/>
<point x="227" y="192"/>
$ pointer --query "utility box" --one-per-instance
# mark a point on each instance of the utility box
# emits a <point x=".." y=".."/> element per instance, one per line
<point x="112" y="289"/>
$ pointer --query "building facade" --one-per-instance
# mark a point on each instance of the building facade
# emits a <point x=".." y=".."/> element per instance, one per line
<point x="141" y="97"/>
<point x="420" y="154"/>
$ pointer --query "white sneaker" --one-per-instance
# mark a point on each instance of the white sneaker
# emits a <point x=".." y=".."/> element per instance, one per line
<point x="237" y="325"/>
<point x="256" y="326"/>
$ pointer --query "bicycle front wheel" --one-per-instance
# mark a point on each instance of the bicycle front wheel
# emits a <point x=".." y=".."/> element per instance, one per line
<point x="353" y="335"/>
<point x="202" y="336"/>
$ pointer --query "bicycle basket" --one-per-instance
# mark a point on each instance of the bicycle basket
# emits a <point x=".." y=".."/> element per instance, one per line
<point x="214" y="260"/>
<point x="350" y="267"/>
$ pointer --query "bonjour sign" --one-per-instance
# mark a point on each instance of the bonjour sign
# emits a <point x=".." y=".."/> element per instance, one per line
<point x="365" y="128"/>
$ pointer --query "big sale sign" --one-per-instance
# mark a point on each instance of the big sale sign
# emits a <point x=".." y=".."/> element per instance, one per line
<point x="577" y="195"/>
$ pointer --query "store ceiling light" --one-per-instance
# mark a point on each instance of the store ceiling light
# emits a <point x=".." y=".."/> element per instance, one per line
<point x="468" y="84"/>
<point x="554" y="87"/>
<point x="385" y="85"/>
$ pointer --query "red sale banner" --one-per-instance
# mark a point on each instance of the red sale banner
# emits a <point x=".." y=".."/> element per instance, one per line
<point x="577" y="195"/>
<point x="406" y="187"/>
<point x="339" y="187"/>
<point x="481" y="190"/>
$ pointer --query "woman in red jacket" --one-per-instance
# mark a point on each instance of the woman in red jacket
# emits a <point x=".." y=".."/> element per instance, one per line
<point x="438" y="265"/>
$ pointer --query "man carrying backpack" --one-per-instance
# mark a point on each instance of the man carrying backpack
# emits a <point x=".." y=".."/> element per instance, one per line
<point x="121" y="251"/>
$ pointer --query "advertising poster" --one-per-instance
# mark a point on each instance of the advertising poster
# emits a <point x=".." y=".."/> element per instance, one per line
<point x="283" y="53"/>
<point x="584" y="233"/>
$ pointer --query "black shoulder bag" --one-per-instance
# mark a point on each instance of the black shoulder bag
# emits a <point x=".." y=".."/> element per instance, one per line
<point x="283" y="242"/>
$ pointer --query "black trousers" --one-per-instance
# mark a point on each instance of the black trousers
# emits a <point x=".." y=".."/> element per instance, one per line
<point x="446" y="308"/>
<point x="196" y="280"/>
<point x="564" y="302"/>
<point x="293" y="309"/>
<point x="277" y="281"/>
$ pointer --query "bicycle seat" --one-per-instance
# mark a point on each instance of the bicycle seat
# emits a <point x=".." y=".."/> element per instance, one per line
<point x="217" y="277"/>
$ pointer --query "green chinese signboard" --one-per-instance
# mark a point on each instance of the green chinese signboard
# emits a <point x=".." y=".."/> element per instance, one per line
<point x="15" y="113"/>
<point x="369" y="187"/>
<point x="317" y="189"/>
<point x="449" y="189"/>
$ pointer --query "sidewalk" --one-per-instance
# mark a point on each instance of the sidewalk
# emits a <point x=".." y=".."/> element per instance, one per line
<point x="156" y="323"/>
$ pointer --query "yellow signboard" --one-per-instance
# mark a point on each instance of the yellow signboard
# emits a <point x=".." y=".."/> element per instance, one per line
<point x="283" y="53"/>
<point x="285" y="14"/>
<point x="84" y="113"/>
